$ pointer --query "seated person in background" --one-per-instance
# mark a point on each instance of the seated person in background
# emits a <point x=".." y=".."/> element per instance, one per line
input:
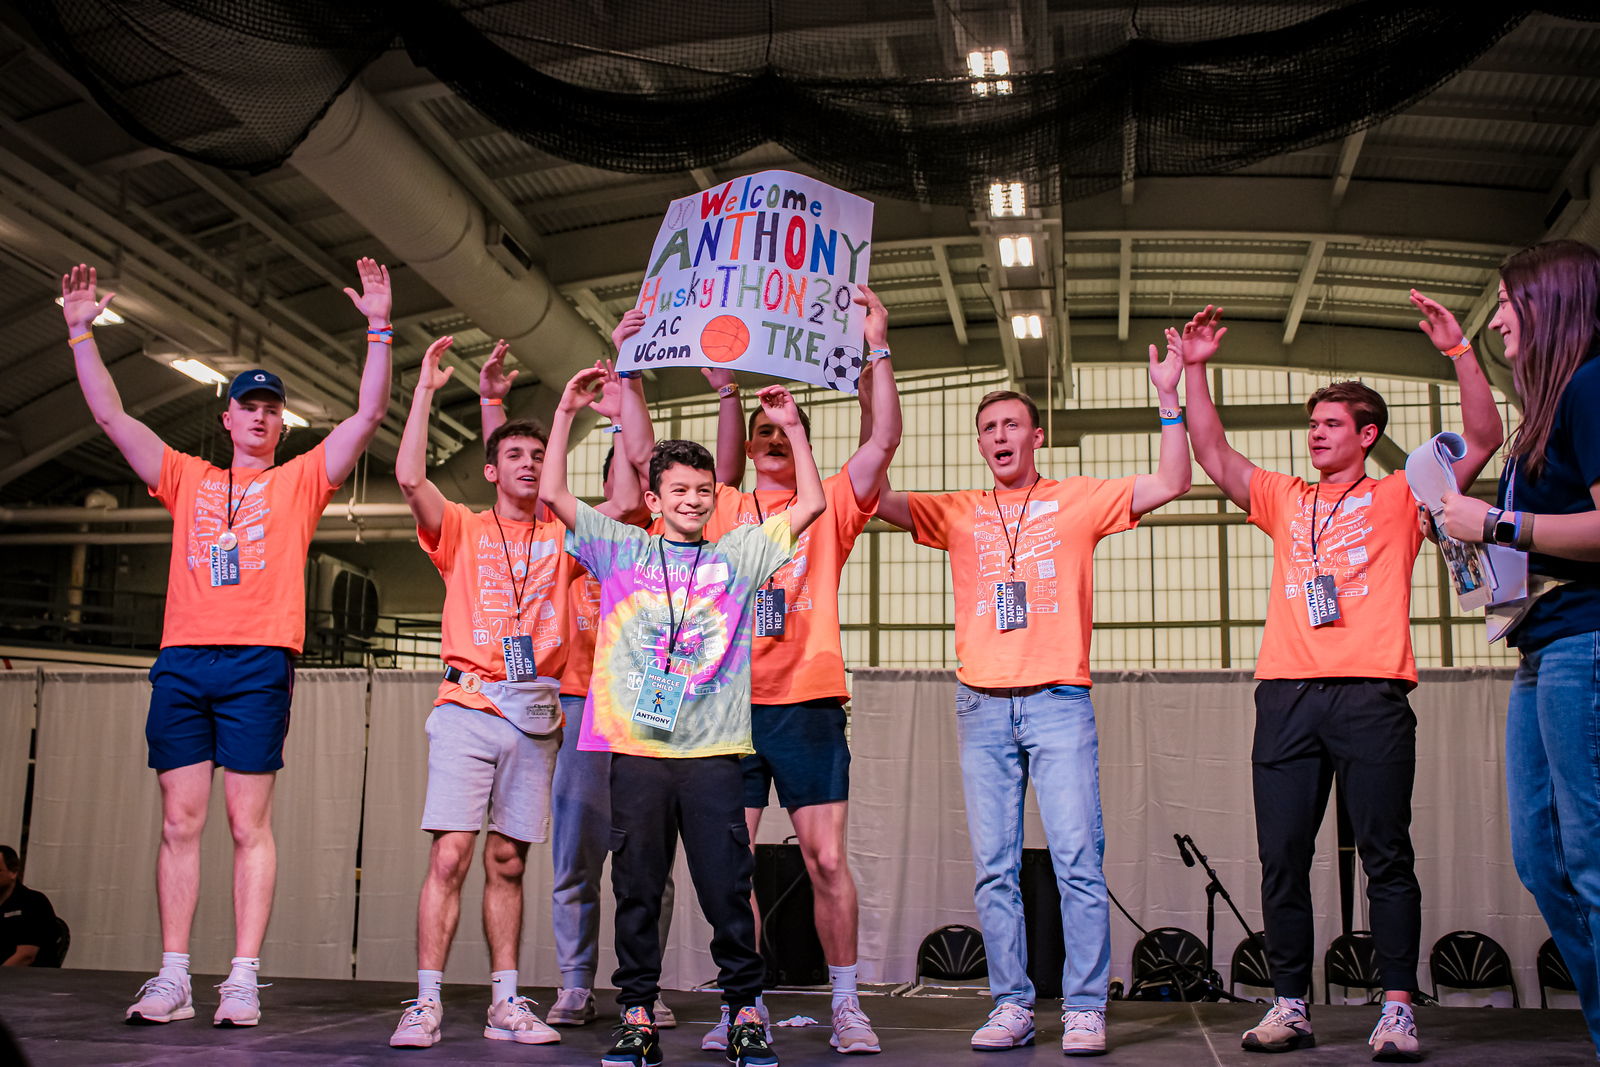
<point x="27" y="921"/>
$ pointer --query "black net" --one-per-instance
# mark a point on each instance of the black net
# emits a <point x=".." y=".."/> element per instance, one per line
<point x="931" y="101"/>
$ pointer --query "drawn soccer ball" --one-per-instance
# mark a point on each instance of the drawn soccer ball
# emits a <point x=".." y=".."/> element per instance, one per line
<point x="841" y="369"/>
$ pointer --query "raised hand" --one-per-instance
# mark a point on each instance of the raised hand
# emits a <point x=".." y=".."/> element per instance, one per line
<point x="719" y="376"/>
<point x="875" y="332"/>
<point x="632" y="320"/>
<point x="78" y="301"/>
<point x="1164" y="373"/>
<point x="1201" y="336"/>
<point x="780" y="407"/>
<point x="1438" y="323"/>
<point x="376" y="299"/>
<point x="493" y="381"/>
<point x="584" y="388"/>
<point x="609" y="400"/>
<point x="432" y="378"/>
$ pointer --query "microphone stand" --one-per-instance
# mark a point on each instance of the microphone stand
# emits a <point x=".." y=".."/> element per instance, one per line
<point x="1212" y="981"/>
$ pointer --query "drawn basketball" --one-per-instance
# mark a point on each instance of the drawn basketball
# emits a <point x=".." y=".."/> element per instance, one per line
<point x="724" y="339"/>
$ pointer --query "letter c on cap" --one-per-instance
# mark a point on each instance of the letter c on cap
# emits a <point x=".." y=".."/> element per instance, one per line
<point x="261" y="377"/>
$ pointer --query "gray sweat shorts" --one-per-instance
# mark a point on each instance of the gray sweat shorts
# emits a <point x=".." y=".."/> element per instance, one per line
<point x="478" y="761"/>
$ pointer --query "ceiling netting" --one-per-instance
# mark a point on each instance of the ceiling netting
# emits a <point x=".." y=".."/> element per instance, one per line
<point x="879" y="96"/>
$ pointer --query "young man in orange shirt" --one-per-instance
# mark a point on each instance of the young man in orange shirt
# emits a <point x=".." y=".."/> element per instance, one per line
<point x="235" y="620"/>
<point x="1022" y="565"/>
<point x="797" y="683"/>
<point x="505" y="623"/>
<point x="1334" y="668"/>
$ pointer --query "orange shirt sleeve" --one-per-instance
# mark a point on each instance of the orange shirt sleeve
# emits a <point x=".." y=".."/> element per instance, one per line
<point x="1110" y="504"/>
<point x="1270" y="493"/>
<point x="849" y="517"/>
<point x="930" y="518"/>
<point x="442" y="551"/>
<point x="169" y="487"/>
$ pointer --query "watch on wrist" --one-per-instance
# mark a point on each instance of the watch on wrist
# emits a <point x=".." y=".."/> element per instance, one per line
<point x="1505" y="528"/>
<point x="1490" y="519"/>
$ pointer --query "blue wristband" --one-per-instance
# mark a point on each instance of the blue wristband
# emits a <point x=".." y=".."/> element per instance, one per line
<point x="630" y="373"/>
<point x="1173" y="422"/>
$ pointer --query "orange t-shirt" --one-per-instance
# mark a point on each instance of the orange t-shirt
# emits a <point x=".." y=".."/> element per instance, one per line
<point x="480" y="595"/>
<point x="276" y="512"/>
<point x="806" y="663"/>
<point x="1054" y="550"/>
<point x="583" y="613"/>
<point x="1369" y="544"/>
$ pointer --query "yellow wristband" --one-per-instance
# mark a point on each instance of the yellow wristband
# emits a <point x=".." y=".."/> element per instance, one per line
<point x="86" y="335"/>
<point x="490" y="402"/>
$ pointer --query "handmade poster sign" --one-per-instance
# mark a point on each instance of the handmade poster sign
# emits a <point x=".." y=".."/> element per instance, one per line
<point x="759" y="274"/>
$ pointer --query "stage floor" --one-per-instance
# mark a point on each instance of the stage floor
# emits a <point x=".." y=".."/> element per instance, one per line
<point x="75" y="1017"/>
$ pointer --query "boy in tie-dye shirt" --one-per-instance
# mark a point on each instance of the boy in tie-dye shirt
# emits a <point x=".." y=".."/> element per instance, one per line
<point x="670" y="699"/>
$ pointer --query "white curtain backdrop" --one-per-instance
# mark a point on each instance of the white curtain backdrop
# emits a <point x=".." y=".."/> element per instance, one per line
<point x="18" y="690"/>
<point x="97" y="825"/>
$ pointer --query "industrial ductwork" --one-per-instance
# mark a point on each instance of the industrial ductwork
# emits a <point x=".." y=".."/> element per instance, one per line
<point x="372" y="166"/>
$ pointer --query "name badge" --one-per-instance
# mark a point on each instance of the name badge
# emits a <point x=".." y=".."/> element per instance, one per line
<point x="224" y="565"/>
<point x="769" y="612"/>
<point x="518" y="652"/>
<point x="1322" y="600"/>
<point x="659" y="699"/>
<point x="1010" y="605"/>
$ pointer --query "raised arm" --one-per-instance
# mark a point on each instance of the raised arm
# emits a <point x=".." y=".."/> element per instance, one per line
<point x="809" y="501"/>
<point x="730" y="426"/>
<point x="1173" y="469"/>
<point x="894" y="506"/>
<point x="494" y="385"/>
<point x="1225" y="466"/>
<point x="637" y="430"/>
<point x="880" y="407"/>
<point x="345" y="443"/>
<point x="137" y="442"/>
<point x="1481" y="427"/>
<point x="579" y="394"/>
<point x="411" y="465"/>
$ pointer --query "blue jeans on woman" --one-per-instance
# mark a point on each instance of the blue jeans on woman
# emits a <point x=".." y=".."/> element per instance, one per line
<point x="1553" y="785"/>
<point x="1046" y="733"/>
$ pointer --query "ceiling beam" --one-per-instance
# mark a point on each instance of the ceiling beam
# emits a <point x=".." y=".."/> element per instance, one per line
<point x="1302" y="288"/>
<point x="1071" y="425"/>
<point x="1349" y="152"/>
<point x="1124" y="285"/>
<point x="958" y="315"/>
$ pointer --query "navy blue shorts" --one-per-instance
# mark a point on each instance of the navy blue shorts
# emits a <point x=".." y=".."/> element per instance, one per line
<point x="227" y="704"/>
<point x="801" y="748"/>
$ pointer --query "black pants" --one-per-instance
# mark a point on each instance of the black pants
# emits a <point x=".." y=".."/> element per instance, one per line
<point x="652" y="802"/>
<point x="1362" y="732"/>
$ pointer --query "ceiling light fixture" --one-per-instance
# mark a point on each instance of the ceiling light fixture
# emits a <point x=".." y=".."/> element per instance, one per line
<point x="1016" y="251"/>
<point x="1007" y="198"/>
<point x="985" y="64"/>
<point x="1019" y="326"/>
<point x="291" y="419"/>
<point x="199" y="372"/>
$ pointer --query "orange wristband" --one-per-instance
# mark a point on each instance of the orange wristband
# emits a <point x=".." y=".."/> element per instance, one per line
<point x="86" y="335"/>
<point x="1460" y="350"/>
<point x="490" y="402"/>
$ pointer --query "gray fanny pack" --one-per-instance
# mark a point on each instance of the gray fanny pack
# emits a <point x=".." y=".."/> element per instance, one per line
<point x="532" y="707"/>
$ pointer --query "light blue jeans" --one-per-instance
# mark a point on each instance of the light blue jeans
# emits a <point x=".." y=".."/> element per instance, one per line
<point x="1046" y="733"/>
<point x="1553" y="785"/>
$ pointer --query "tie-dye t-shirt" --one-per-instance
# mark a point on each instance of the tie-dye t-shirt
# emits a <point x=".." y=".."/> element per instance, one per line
<point x="712" y="604"/>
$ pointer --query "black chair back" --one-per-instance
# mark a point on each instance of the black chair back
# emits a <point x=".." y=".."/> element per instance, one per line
<point x="1552" y="970"/>
<point x="1466" y="959"/>
<point x="1169" y="963"/>
<point x="55" y="953"/>
<point x="952" y="954"/>
<point x="1351" y="961"/>
<point x="1249" y="965"/>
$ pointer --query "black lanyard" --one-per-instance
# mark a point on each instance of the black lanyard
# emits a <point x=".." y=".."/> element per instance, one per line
<point x="230" y="507"/>
<point x="1315" y="497"/>
<point x="761" y="519"/>
<point x="673" y="623"/>
<point x="1013" y="542"/>
<point x="511" y="570"/>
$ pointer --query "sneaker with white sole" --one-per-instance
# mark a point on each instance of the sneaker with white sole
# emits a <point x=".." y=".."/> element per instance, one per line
<point x="161" y="1000"/>
<point x="750" y="1040"/>
<point x="513" y="1020"/>
<point x="240" y="1006"/>
<point x="1009" y="1026"/>
<point x="716" y="1038"/>
<point x="1085" y="1033"/>
<point x="1394" y="1039"/>
<point x="638" y="1044"/>
<point x="573" y="1007"/>
<point x="852" y="1030"/>
<point x="1283" y="1029"/>
<point x="665" y="1020"/>
<point x="419" y="1026"/>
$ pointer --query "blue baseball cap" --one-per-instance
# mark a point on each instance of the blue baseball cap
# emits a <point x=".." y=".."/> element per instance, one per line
<point x="251" y="381"/>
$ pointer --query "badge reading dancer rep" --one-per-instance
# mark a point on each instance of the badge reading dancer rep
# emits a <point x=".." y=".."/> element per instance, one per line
<point x="662" y="695"/>
<point x="1322" y="592"/>
<point x="1010" y="605"/>
<point x="518" y="651"/>
<point x="224" y="565"/>
<point x="769" y="612"/>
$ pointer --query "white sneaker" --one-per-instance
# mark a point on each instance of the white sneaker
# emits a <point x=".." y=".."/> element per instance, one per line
<point x="665" y="1020"/>
<point x="1009" y="1026"/>
<point x="419" y="1026"/>
<point x="716" y="1038"/>
<point x="1394" y="1039"/>
<point x="514" y="1020"/>
<point x="852" y="1030"/>
<point x="161" y="1000"/>
<point x="1283" y="1029"/>
<point x="1085" y="1033"/>
<point x="573" y="1007"/>
<point x="241" y="1005"/>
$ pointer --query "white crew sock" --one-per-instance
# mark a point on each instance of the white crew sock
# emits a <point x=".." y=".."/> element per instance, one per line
<point x="244" y="970"/>
<point x="502" y="986"/>
<point x="760" y="1007"/>
<point x="1296" y="1003"/>
<point x="428" y="985"/>
<point x="175" y="965"/>
<point x="844" y="982"/>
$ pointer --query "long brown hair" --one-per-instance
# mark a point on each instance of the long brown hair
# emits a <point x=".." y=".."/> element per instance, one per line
<point x="1555" y="291"/>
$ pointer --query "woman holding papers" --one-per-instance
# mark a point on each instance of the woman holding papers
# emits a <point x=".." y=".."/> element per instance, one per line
<point x="1549" y="315"/>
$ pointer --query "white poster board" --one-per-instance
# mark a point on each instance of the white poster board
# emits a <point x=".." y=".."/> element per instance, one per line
<point x="758" y="274"/>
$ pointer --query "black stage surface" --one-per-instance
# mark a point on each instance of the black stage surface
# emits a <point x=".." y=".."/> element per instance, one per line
<point x="75" y="1017"/>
